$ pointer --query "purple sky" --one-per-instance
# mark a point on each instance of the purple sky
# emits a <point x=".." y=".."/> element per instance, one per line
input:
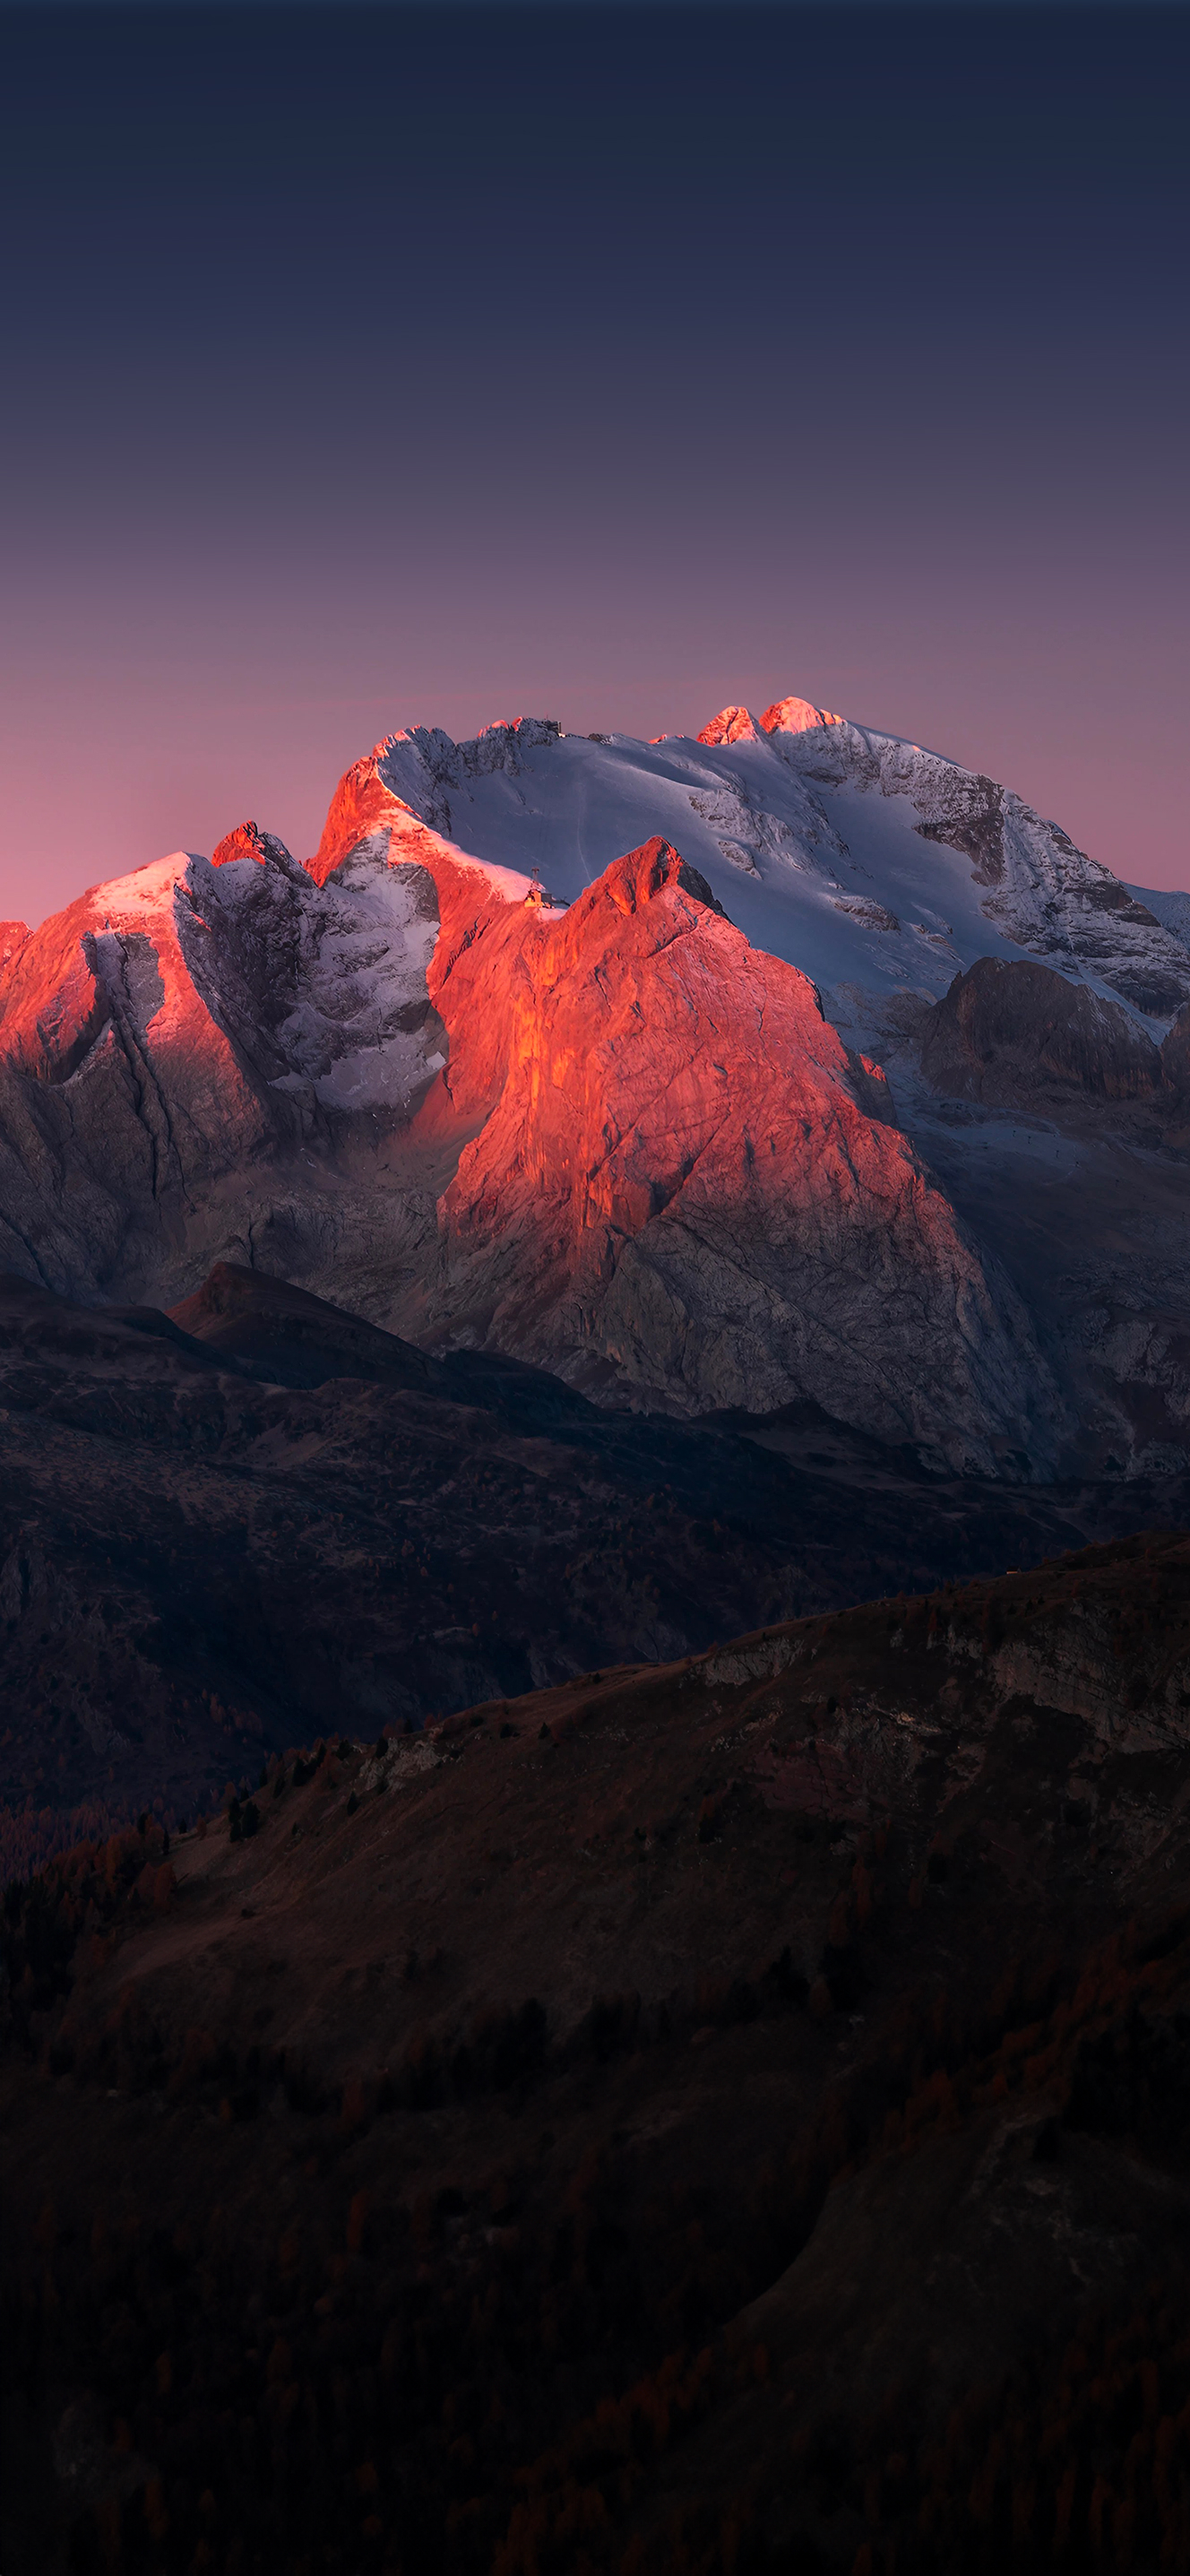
<point x="381" y="367"/>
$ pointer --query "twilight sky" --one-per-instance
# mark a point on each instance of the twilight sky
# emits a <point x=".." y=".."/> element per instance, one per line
<point x="369" y="366"/>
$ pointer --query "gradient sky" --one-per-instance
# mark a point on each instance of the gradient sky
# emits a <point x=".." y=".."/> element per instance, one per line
<point x="377" y="366"/>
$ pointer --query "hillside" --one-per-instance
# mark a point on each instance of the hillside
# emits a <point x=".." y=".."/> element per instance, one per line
<point x="261" y="1517"/>
<point x="457" y="2162"/>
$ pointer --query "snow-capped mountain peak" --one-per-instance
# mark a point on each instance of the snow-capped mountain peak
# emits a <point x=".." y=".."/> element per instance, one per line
<point x="796" y="715"/>
<point x="869" y="861"/>
<point x="732" y="724"/>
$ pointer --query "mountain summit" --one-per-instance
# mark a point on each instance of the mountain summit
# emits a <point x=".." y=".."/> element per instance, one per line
<point x="859" y="857"/>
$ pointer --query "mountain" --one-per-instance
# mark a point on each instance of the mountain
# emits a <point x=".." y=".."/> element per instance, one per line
<point x="641" y="1130"/>
<point x="729" y="2115"/>
<point x="589" y="2096"/>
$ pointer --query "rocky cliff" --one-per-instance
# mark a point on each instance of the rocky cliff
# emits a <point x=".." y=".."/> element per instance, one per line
<point x="687" y="1185"/>
<point x="1017" y="1033"/>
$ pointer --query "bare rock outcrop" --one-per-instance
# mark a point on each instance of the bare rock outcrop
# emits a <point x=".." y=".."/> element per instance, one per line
<point x="681" y="1192"/>
<point x="1009" y="1032"/>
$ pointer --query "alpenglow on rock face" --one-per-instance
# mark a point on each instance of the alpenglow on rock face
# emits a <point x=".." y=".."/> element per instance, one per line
<point x="688" y="1184"/>
<point x="571" y="1048"/>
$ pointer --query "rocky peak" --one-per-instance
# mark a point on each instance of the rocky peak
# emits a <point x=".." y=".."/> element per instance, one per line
<point x="13" y="935"/>
<point x="732" y="724"/>
<point x="363" y="802"/>
<point x="643" y="874"/>
<point x="247" y="842"/>
<point x="687" y="1192"/>
<point x="795" y="715"/>
<point x="1008" y="1029"/>
<point x="786" y="715"/>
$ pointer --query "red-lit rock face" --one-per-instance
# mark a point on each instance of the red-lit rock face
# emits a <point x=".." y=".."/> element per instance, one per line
<point x="13" y="935"/>
<point x="688" y="1188"/>
<point x="361" y="804"/>
<point x="246" y="842"/>
<point x="92" y="983"/>
<point x="50" y="999"/>
<point x="795" y="715"/>
<point x="786" y="715"/>
<point x="732" y="724"/>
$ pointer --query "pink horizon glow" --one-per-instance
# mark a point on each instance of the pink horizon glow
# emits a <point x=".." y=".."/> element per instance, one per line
<point x="644" y="378"/>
